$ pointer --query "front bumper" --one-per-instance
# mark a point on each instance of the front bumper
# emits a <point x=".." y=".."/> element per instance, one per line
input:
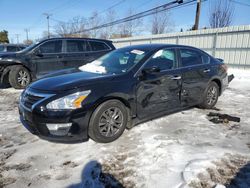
<point x="36" y="122"/>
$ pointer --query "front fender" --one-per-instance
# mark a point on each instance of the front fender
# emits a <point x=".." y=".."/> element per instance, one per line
<point x="9" y="61"/>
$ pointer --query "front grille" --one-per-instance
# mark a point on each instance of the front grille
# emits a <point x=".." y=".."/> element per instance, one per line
<point x="31" y="97"/>
<point x="29" y="100"/>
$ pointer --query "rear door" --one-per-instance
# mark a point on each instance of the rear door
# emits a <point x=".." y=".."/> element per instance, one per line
<point x="46" y="57"/>
<point x="76" y="53"/>
<point x="196" y="73"/>
<point x="159" y="91"/>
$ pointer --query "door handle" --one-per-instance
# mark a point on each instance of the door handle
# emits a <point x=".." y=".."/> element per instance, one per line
<point x="206" y="70"/>
<point x="176" y="78"/>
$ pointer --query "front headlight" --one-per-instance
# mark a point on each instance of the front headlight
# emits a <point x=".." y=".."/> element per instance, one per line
<point x="72" y="101"/>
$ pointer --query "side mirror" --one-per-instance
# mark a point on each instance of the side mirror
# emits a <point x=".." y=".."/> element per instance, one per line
<point x="151" y="70"/>
<point x="38" y="53"/>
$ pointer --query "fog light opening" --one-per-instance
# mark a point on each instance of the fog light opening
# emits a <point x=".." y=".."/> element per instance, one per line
<point x="61" y="129"/>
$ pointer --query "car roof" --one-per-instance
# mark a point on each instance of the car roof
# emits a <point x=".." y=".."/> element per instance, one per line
<point x="74" y="38"/>
<point x="155" y="46"/>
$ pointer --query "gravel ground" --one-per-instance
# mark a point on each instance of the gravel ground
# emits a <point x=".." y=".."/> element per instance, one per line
<point x="184" y="149"/>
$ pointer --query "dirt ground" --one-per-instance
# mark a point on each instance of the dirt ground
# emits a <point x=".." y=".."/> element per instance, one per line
<point x="184" y="149"/>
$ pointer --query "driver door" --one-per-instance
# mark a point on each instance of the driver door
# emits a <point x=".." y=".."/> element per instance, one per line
<point x="159" y="86"/>
<point x="47" y="57"/>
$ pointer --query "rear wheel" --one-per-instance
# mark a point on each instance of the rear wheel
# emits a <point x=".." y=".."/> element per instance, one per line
<point x="211" y="96"/>
<point x="108" y="121"/>
<point x="19" y="77"/>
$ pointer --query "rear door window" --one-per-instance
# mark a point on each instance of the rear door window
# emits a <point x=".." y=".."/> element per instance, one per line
<point x="51" y="47"/>
<point x="77" y="46"/>
<point x="98" y="46"/>
<point x="190" y="58"/>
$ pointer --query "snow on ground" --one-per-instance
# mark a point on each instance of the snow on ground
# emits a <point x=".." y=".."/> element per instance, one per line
<point x="183" y="149"/>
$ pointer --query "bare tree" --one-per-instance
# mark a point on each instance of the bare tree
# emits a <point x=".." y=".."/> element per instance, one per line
<point x="108" y="32"/>
<point x="94" y="21"/>
<point x="161" y="22"/>
<point x="132" y="27"/>
<point x="221" y="13"/>
<point x="73" y="28"/>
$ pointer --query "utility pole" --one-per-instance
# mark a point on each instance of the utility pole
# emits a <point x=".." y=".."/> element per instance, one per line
<point x="27" y="34"/>
<point x="47" y="16"/>
<point x="197" y="17"/>
<point x="17" y="38"/>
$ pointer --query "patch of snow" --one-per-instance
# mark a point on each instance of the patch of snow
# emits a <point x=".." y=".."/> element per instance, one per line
<point x="167" y="152"/>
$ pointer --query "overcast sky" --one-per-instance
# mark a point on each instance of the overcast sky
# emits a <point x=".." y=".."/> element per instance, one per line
<point x="16" y="15"/>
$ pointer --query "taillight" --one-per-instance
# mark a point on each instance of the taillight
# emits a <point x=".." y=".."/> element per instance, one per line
<point x="224" y="67"/>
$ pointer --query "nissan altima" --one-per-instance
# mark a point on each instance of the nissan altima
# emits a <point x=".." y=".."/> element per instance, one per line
<point x="99" y="100"/>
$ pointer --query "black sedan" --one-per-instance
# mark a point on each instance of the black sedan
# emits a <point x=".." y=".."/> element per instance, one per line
<point x="119" y="90"/>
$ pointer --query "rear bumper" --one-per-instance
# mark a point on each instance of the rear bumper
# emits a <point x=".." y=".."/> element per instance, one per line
<point x="224" y="83"/>
<point x="230" y="78"/>
<point x="36" y="123"/>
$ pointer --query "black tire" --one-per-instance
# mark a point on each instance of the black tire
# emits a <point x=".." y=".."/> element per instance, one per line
<point x="211" y="96"/>
<point x="100" y="122"/>
<point x="19" y="77"/>
<point x="5" y="83"/>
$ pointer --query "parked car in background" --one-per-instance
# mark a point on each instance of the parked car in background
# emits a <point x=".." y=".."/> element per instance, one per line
<point x="123" y="88"/>
<point x="11" y="47"/>
<point x="21" y="68"/>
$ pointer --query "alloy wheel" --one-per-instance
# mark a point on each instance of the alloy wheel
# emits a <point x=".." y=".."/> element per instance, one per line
<point x="23" y="78"/>
<point x="110" y="122"/>
<point x="212" y="95"/>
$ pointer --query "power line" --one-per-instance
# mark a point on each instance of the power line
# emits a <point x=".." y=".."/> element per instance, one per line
<point x="63" y="6"/>
<point x="164" y="7"/>
<point x="144" y="3"/>
<point x="240" y="3"/>
<point x="101" y="12"/>
<point x="113" y="6"/>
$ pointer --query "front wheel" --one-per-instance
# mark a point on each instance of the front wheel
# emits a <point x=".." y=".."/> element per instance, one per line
<point x="211" y="96"/>
<point x="19" y="77"/>
<point x="108" y="121"/>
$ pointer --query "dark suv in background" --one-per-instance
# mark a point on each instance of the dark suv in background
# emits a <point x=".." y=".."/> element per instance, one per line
<point x="50" y="55"/>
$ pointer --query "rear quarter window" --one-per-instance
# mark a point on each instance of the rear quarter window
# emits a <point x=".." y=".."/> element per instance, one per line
<point x="205" y="59"/>
<point x="191" y="57"/>
<point x="98" y="46"/>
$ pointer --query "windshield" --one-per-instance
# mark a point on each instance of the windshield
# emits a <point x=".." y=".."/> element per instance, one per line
<point x="116" y="62"/>
<point x="29" y="47"/>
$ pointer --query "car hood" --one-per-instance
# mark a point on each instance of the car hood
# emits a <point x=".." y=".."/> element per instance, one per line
<point x="68" y="79"/>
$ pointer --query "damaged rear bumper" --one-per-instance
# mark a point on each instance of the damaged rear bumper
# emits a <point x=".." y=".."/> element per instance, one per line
<point x="230" y="78"/>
